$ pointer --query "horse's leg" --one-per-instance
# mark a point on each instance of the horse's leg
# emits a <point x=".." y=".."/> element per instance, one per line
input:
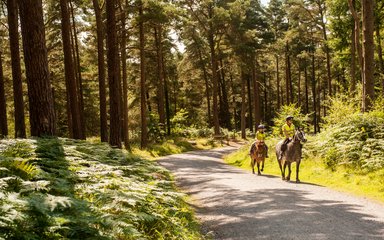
<point x="284" y="168"/>
<point x="258" y="168"/>
<point x="262" y="164"/>
<point x="289" y="172"/>
<point x="253" y="165"/>
<point x="297" y="171"/>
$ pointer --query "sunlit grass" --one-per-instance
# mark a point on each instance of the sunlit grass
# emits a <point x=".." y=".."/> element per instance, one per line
<point x="313" y="170"/>
<point x="174" y="146"/>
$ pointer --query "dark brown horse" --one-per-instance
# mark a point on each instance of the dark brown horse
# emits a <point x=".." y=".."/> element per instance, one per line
<point x="291" y="154"/>
<point x="257" y="154"/>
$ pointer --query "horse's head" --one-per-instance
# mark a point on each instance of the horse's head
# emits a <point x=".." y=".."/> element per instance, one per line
<point x="300" y="135"/>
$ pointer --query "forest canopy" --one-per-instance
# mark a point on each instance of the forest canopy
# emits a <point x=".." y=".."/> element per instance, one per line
<point x="136" y="71"/>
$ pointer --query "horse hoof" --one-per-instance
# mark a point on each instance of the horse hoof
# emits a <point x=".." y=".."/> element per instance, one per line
<point x="283" y="178"/>
<point x="262" y="170"/>
<point x="298" y="181"/>
<point x="259" y="174"/>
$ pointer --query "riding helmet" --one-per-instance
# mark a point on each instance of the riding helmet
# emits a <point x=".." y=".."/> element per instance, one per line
<point x="289" y="118"/>
<point x="261" y="126"/>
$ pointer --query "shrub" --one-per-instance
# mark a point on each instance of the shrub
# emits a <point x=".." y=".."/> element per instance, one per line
<point x="351" y="138"/>
<point x="87" y="191"/>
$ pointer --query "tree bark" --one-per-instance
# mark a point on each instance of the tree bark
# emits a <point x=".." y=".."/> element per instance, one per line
<point x="79" y="79"/>
<point x="380" y="54"/>
<point x="70" y="72"/>
<point x="352" y="87"/>
<point x="3" y="103"/>
<point x="144" y="130"/>
<point x="160" y="77"/>
<point x="326" y="47"/>
<point x="256" y="95"/>
<point x="368" y="53"/>
<point x="101" y="71"/>
<point x="249" y="98"/>
<point x="356" y="18"/>
<point x="207" y="95"/>
<point x="288" y="78"/>
<point x="16" y="69"/>
<point x="224" y="108"/>
<point x="211" y="41"/>
<point x="278" y="82"/>
<point x="306" y="90"/>
<point x="299" y="84"/>
<point x="41" y="105"/>
<point x="243" y="106"/>
<point x="113" y="75"/>
<point x="314" y="93"/>
<point x="265" y="99"/>
<point x="123" y="51"/>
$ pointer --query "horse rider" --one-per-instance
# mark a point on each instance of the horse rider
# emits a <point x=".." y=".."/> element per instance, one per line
<point x="260" y="136"/>
<point x="288" y="132"/>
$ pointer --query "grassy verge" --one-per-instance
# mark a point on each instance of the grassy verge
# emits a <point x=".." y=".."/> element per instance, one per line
<point x="67" y="189"/>
<point x="313" y="170"/>
<point x="174" y="146"/>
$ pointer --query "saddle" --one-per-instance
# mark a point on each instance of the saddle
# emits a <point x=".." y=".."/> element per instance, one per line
<point x="259" y="144"/>
<point x="284" y="145"/>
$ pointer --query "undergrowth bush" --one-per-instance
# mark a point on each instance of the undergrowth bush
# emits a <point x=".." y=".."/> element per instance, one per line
<point x="67" y="189"/>
<point x="351" y="138"/>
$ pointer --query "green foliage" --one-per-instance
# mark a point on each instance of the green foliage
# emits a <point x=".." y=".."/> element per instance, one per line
<point x="79" y="190"/>
<point x="351" y="138"/>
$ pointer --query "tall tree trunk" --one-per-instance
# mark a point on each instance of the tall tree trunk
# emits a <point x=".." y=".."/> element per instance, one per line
<point x="233" y="102"/>
<point x="256" y="95"/>
<point x="322" y="12"/>
<point x="288" y="79"/>
<point x="243" y="105"/>
<point x="358" y="47"/>
<point x="380" y="54"/>
<point x="16" y="69"/>
<point x="41" y="105"/>
<point x="3" y="103"/>
<point x="167" y="105"/>
<point x="207" y="89"/>
<point x="352" y="87"/>
<point x="250" y="103"/>
<point x="160" y="78"/>
<point x="144" y="130"/>
<point x="113" y="75"/>
<point x="368" y="53"/>
<point x="278" y="82"/>
<point x="299" y="85"/>
<point x="123" y="50"/>
<point x="69" y="71"/>
<point x="314" y="93"/>
<point x="79" y="79"/>
<point x="306" y="90"/>
<point x="211" y="41"/>
<point x="101" y="72"/>
<point x="265" y="98"/>
<point x="224" y="108"/>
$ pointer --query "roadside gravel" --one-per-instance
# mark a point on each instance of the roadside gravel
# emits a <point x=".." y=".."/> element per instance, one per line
<point x="234" y="204"/>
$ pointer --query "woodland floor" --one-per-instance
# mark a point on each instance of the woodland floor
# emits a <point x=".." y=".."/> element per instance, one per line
<point x="235" y="204"/>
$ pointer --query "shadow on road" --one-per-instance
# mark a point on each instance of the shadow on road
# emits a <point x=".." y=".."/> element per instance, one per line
<point x="234" y="204"/>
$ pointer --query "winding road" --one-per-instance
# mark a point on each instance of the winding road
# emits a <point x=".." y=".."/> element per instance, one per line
<point x="234" y="204"/>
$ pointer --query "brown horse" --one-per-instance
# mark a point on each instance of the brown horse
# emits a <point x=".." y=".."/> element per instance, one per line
<point x="291" y="154"/>
<point x="257" y="154"/>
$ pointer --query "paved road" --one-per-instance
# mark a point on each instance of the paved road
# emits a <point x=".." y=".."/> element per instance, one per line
<point x="234" y="204"/>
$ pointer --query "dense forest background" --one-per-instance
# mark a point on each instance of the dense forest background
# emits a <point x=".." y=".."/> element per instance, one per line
<point x="136" y="71"/>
